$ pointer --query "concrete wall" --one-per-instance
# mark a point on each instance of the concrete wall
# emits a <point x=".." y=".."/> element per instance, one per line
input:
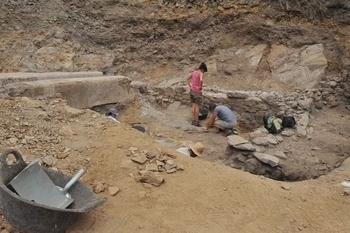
<point x="79" y="92"/>
<point x="7" y="78"/>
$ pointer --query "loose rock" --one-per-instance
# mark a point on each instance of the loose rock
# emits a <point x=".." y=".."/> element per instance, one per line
<point x="113" y="191"/>
<point x="140" y="159"/>
<point x="152" y="178"/>
<point x="99" y="187"/>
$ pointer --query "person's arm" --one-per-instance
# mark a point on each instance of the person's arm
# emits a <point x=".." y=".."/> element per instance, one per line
<point x="211" y="121"/>
<point x="188" y="79"/>
<point x="201" y="80"/>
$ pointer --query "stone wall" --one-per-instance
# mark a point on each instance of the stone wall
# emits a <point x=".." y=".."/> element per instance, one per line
<point x="251" y="105"/>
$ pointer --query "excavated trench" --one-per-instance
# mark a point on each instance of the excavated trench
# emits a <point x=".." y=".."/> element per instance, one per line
<point x="103" y="109"/>
<point x="292" y="166"/>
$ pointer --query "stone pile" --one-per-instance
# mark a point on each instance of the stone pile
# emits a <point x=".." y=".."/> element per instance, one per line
<point x="151" y="164"/>
<point x="24" y="122"/>
<point x="260" y="154"/>
<point x="251" y="156"/>
<point x="37" y="129"/>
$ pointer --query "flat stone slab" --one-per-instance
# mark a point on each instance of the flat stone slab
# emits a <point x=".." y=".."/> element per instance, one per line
<point x="261" y="141"/>
<point x="287" y="133"/>
<point x="6" y="78"/>
<point x="140" y="159"/>
<point x="79" y="92"/>
<point x="271" y="139"/>
<point x="246" y="147"/>
<point x="273" y="161"/>
<point x="238" y="94"/>
<point x="235" y="140"/>
<point x="280" y="154"/>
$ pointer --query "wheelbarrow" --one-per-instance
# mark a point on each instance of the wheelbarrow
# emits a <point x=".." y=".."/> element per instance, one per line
<point x="31" y="217"/>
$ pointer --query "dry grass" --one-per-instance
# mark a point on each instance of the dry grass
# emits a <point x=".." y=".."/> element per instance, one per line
<point x="312" y="9"/>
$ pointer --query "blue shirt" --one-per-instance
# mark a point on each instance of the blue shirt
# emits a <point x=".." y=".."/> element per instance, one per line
<point x="225" y="114"/>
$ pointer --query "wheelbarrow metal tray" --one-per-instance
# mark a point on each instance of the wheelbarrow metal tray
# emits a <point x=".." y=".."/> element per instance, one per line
<point x="33" y="184"/>
<point x="30" y="217"/>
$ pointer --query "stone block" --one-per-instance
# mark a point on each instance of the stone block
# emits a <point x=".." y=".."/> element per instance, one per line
<point x="235" y="140"/>
<point x="238" y="94"/>
<point x="80" y="92"/>
<point x="273" y="161"/>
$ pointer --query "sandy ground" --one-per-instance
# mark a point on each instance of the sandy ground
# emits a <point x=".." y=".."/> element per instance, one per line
<point x="207" y="196"/>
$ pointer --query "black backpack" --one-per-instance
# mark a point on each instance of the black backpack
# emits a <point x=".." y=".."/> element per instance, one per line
<point x="288" y="122"/>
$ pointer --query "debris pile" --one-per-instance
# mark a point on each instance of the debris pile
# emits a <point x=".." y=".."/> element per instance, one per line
<point x="273" y="156"/>
<point x="151" y="163"/>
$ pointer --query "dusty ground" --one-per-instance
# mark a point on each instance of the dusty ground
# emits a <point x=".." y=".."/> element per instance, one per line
<point x="207" y="196"/>
<point x="330" y="137"/>
<point x="211" y="197"/>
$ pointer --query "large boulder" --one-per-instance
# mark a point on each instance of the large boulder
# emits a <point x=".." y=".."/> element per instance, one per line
<point x="303" y="67"/>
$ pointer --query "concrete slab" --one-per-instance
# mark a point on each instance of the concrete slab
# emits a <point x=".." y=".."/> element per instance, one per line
<point x="7" y="78"/>
<point x="79" y="92"/>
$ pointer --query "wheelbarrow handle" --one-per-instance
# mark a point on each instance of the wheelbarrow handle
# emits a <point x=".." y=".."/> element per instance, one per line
<point x="75" y="178"/>
<point x="20" y="162"/>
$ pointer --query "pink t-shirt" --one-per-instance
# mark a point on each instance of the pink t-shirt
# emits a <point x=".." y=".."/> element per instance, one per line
<point x="196" y="81"/>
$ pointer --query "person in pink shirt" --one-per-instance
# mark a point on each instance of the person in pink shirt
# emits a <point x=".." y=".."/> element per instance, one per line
<point x="195" y="82"/>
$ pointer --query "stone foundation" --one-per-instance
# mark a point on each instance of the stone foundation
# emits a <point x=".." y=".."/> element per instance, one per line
<point x="251" y="105"/>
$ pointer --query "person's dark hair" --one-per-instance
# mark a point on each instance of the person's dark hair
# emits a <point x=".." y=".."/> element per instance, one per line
<point x="212" y="107"/>
<point x="203" y="67"/>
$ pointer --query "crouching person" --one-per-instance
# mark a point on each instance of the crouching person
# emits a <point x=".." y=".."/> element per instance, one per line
<point x="222" y="118"/>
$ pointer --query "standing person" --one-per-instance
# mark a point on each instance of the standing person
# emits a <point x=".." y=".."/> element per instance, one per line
<point x="222" y="119"/>
<point x="195" y="82"/>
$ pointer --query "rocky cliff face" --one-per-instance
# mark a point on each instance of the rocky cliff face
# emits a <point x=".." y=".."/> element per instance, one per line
<point x="157" y="40"/>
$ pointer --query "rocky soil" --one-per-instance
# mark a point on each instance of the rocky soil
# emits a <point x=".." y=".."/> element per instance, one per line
<point x="150" y="187"/>
<point x="145" y="179"/>
<point x="157" y="40"/>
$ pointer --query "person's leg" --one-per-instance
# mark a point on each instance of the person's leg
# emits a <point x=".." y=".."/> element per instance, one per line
<point x="192" y="97"/>
<point x="219" y="124"/>
<point x="226" y="127"/>
<point x="196" y="111"/>
<point x="198" y="101"/>
<point x="193" y="112"/>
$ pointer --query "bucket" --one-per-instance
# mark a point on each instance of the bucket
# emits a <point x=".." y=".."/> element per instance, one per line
<point x="203" y="113"/>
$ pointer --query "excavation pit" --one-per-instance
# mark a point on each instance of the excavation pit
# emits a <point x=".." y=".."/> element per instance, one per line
<point x="299" y="158"/>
